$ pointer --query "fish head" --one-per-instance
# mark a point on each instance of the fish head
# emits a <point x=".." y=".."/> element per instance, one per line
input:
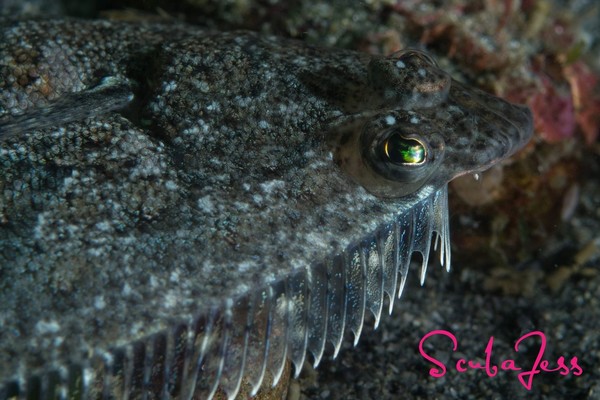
<point x="423" y="127"/>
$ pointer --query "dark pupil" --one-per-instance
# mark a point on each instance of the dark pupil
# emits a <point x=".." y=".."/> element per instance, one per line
<point x="403" y="151"/>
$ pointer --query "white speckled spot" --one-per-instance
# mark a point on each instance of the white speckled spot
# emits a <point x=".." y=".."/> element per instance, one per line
<point x="126" y="289"/>
<point x="243" y="101"/>
<point x="88" y="375"/>
<point x="400" y="64"/>
<point x="241" y="206"/>
<point x="99" y="302"/>
<point x="38" y="230"/>
<point x="136" y="329"/>
<point x="258" y="199"/>
<point x="170" y="86"/>
<point x="103" y="226"/>
<point x="194" y="130"/>
<point x="270" y="186"/>
<point x="245" y="266"/>
<point x="262" y="124"/>
<point x="203" y="86"/>
<point x="206" y="204"/>
<point x="96" y="252"/>
<point x="171" y="185"/>
<point x="414" y="120"/>
<point x="422" y="72"/>
<point x="43" y="327"/>
<point x="390" y="120"/>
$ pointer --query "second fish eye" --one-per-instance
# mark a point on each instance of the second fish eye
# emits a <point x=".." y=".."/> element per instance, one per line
<point x="411" y="53"/>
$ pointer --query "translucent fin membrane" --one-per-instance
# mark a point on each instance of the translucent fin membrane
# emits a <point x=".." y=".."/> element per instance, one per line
<point x="246" y="343"/>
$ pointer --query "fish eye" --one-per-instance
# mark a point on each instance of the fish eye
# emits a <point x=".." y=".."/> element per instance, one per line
<point x="403" y="151"/>
<point x="408" y="54"/>
<point x="408" y="80"/>
<point x="402" y="154"/>
<point x="386" y="153"/>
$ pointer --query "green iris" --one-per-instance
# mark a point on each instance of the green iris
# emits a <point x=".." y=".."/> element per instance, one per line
<point x="404" y="151"/>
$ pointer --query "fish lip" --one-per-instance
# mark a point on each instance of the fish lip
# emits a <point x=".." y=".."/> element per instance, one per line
<point x="524" y="126"/>
<point x="511" y="126"/>
<point x="519" y="116"/>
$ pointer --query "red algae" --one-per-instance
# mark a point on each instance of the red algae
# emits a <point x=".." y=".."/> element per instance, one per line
<point x="585" y="91"/>
<point x="554" y="113"/>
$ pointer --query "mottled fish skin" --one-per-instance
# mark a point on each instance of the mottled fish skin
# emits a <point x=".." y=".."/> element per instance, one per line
<point x="182" y="209"/>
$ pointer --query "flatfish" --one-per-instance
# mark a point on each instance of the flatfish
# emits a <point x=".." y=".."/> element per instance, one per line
<point x="184" y="210"/>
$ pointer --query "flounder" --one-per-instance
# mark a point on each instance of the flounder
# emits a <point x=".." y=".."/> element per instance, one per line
<point x="183" y="210"/>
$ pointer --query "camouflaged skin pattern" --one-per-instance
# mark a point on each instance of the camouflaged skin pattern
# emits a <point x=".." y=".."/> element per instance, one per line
<point x="149" y="173"/>
<point x="165" y="224"/>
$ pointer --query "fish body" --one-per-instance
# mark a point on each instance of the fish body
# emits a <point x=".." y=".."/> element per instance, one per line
<point x="183" y="210"/>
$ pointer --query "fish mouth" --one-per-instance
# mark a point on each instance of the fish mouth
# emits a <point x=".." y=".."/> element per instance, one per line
<point x="480" y="130"/>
